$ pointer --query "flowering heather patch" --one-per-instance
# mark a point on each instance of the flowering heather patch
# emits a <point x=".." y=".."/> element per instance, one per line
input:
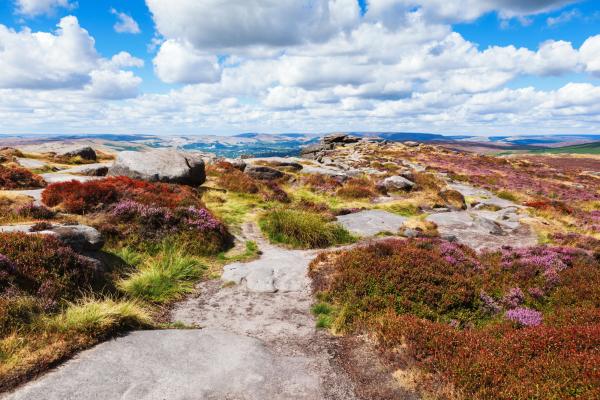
<point x="273" y="192"/>
<point x="321" y="183"/>
<point x="83" y="197"/>
<point x="232" y="179"/>
<point x="19" y="178"/>
<point x="143" y="223"/>
<point x="577" y="240"/>
<point x="490" y="324"/>
<point x="44" y="267"/>
<point x="524" y="316"/>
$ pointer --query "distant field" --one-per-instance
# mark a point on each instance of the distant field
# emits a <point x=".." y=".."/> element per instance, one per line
<point x="587" y="148"/>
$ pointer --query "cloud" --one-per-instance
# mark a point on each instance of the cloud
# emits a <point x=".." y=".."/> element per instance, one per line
<point x="564" y="17"/>
<point x="590" y="55"/>
<point x="125" y="23"/>
<point x="179" y="62"/>
<point x="64" y="59"/>
<point x="33" y="8"/>
<point x="217" y="24"/>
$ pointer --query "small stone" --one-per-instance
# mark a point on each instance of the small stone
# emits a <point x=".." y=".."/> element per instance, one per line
<point x="263" y="173"/>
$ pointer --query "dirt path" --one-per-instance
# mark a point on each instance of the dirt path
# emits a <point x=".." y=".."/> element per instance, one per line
<point x="257" y="341"/>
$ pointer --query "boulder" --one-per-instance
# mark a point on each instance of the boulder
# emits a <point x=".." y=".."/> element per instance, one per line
<point x="411" y="144"/>
<point x="88" y="170"/>
<point x="238" y="164"/>
<point x="453" y="199"/>
<point x="396" y="183"/>
<point x="287" y="165"/>
<point x="340" y="138"/>
<point x="86" y="153"/>
<point x="263" y="173"/>
<point x="160" y="165"/>
<point x="315" y="151"/>
<point x="79" y="237"/>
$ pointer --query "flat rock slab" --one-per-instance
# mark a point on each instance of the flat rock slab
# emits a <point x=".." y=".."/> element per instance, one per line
<point x="177" y="364"/>
<point x="371" y="222"/>
<point x="35" y="194"/>
<point x="59" y="177"/>
<point x="485" y="229"/>
<point x="482" y="196"/>
<point x="31" y="163"/>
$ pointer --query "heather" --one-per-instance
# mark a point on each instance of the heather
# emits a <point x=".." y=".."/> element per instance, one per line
<point x="85" y="197"/>
<point x="507" y="324"/>
<point x="19" y="178"/>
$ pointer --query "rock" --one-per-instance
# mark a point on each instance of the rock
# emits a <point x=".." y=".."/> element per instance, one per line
<point x="263" y="173"/>
<point x="161" y="165"/>
<point x="396" y="183"/>
<point x="31" y="163"/>
<point x="287" y="165"/>
<point x="10" y="153"/>
<point x="88" y="170"/>
<point x="315" y="151"/>
<point x="86" y="153"/>
<point x="453" y="199"/>
<point x="238" y="164"/>
<point x="371" y="222"/>
<point x="340" y="138"/>
<point x="411" y="144"/>
<point x="79" y="237"/>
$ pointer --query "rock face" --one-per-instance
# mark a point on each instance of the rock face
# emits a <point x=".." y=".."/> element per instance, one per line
<point x="315" y="151"/>
<point x="263" y="173"/>
<point x="453" y="199"/>
<point x="79" y="237"/>
<point x="396" y="183"/>
<point x="160" y="165"/>
<point x="86" y="153"/>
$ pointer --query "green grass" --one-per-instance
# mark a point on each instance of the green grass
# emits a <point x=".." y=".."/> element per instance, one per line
<point x="94" y="315"/>
<point x="506" y="195"/>
<point x="302" y="229"/>
<point x="587" y="148"/>
<point x="165" y="277"/>
<point x="251" y="252"/>
<point x="323" y="312"/>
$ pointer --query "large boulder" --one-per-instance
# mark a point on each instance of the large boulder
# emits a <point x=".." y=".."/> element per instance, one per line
<point x="86" y="153"/>
<point x="395" y="183"/>
<point x="263" y="173"/>
<point x="161" y="165"/>
<point x="340" y="138"/>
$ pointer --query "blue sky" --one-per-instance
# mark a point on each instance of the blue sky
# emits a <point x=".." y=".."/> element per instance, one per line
<point x="213" y="66"/>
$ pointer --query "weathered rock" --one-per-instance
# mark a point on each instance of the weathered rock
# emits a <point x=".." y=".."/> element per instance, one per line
<point x="79" y="237"/>
<point x="371" y="222"/>
<point x="396" y="183"/>
<point x="453" y="199"/>
<point x="10" y="153"/>
<point x="315" y="151"/>
<point x="86" y="153"/>
<point x="161" y="165"/>
<point x="30" y="163"/>
<point x="287" y="165"/>
<point x="411" y="144"/>
<point x="88" y="170"/>
<point x="239" y="164"/>
<point x="263" y="173"/>
<point x="340" y="138"/>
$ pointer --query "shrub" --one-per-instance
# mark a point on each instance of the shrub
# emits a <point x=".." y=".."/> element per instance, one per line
<point x="495" y="325"/>
<point x="273" y="192"/>
<point x="19" y="178"/>
<point x="302" y="229"/>
<point x="358" y="188"/>
<point x="165" y="277"/>
<point x="34" y="211"/>
<point x="83" y="197"/>
<point x="141" y="225"/>
<point x="321" y="183"/>
<point x="43" y="267"/>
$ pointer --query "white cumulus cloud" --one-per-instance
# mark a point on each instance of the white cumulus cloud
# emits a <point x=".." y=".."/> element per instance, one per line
<point x="125" y="23"/>
<point x="32" y="8"/>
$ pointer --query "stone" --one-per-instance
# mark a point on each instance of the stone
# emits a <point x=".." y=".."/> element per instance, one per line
<point x="169" y="166"/>
<point x="411" y="144"/>
<point x="86" y="153"/>
<point x="263" y="173"/>
<point x="287" y="165"/>
<point x="31" y="163"/>
<point x="79" y="237"/>
<point x="315" y="151"/>
<point x="453" y="199"/>
<point x="396" y="183"/>
<point x="88" y="170"/>
<point x="239" y="164"/>
<point x="371" y="222"/>
<point x="340" y="138"/>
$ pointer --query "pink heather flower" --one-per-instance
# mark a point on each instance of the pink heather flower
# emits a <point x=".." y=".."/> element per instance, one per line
<point x="524" y="316"/>
<point x="513" y="298"/>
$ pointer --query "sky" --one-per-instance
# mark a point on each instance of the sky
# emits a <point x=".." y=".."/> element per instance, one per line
<point x="174" y="67"/>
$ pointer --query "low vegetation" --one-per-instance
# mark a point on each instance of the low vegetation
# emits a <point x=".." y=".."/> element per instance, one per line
<point x="509" y="324"/>
<point x="19" y="178"/>
<point x="302" y="229"/>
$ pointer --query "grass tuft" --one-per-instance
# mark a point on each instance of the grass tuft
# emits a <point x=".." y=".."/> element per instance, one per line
<point x="165" y="277"/>
<point x="303" y="229"/>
